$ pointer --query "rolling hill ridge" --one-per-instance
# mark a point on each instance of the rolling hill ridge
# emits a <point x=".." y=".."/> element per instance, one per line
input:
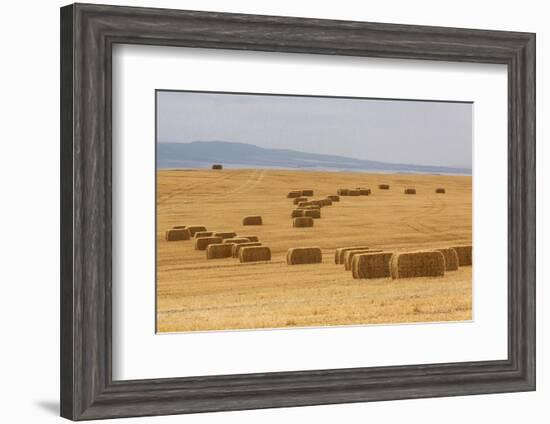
<point x="201" y="154"/>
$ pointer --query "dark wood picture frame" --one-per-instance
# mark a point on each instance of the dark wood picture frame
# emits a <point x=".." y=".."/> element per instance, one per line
<point x="88" y="33"/>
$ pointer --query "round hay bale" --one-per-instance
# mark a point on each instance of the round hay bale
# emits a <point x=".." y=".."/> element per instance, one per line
<point x="464" y="255"/>
<point x="440" y="190"/>
<point x="341" y="251"/>
<point x="304" y="255"/>
<point x="251" y="238"/>
<point x="254" y="254"/>
<point x="354" y="192"/>
<point x="383" y="186"/>
<point x="302" y="221"/>
<point x="334" y="198"/>
<point x="203" y="242"/>
<point x="177" y="234"/>
<point x="307" y="193"/>
<point x="225" y="235"/>
<point x="200" y="234"/>
<point x="314" y="213"/>
<point x="195" y="229"/>
<point x="293" y="194"/>
<point x="218" y="251"/>
<point x="217" y="166"/>
<point x="237" y="240"/>
<point x="425" y="263"/>
<point x="410" y="191"/>
<point x="343" y="192"/>
<point x="236" y="248"/>
<point x="350" y="254"/>
<point x="451" y="258"/>
<point x="371" y="265"/>
<point x="252" y="220"/>
<point x="298" y="200"/>
<point x="364" y="191"/>
<point x="297" y="213"/>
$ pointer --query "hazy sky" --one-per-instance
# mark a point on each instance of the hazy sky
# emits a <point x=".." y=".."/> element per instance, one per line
<point x="416" y="132"/>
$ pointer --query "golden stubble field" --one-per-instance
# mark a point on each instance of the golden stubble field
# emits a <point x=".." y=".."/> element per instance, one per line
<point x="221" y="294"/>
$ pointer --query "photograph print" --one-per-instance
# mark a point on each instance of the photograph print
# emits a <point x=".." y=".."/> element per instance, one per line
<point x="289" y="211"/>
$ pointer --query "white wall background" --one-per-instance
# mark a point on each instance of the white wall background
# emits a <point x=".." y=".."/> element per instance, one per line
<point x="29" y="212"/>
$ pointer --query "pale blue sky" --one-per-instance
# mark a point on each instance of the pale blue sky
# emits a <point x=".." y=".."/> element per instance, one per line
<point x="416" y="132"/>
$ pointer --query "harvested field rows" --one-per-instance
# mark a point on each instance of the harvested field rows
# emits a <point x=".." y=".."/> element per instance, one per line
<point x="198" y="294"/>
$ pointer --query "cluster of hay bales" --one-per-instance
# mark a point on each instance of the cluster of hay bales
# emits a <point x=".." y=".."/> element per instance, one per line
<point x="217" y="166"/>
<point x="254" y="254"/>
<point x="224" y="244"/>
<point x="252" y="220"/>
<point x="228" y="245"/>
<point x="361" y="191"/>
<point x="304" y="255"/>
<point x="425" y="263"/>
<point x="302" y="222"/>
<point x="365" y="262"/>
<point x="307" y="210"/>
<point x="245" y="252"/>
<point x="231" y="247"/>
<point x="205" y="239"/>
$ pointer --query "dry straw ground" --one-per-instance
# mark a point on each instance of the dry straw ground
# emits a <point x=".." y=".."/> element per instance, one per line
<point x="198" y="294"/>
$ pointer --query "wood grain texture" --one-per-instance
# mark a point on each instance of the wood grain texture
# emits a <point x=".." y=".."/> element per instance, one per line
<point x="88" y="33"/>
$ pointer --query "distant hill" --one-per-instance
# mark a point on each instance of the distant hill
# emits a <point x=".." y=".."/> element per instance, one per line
<point x="202" y="154"/>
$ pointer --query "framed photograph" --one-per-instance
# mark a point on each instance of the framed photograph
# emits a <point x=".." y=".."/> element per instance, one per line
<point x="262" y="211"/>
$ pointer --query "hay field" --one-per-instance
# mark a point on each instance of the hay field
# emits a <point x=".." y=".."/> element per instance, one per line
<point x="220" y="294"/>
